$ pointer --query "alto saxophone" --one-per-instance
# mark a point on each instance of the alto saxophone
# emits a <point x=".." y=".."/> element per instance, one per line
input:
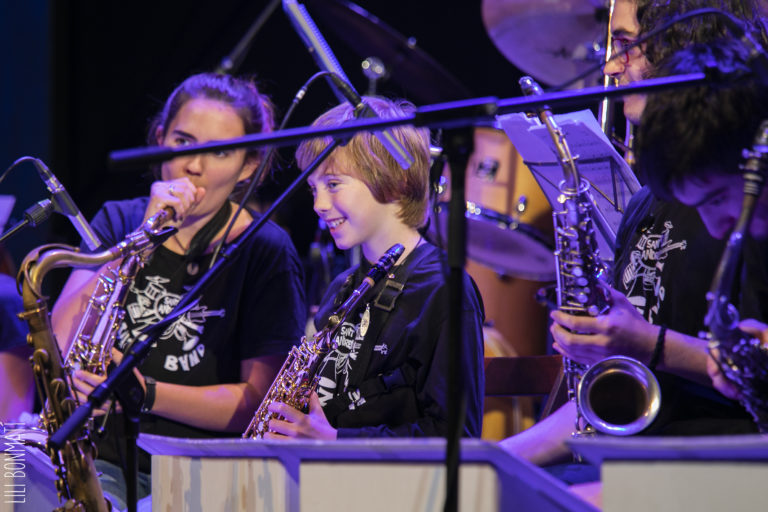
<point x="298" y="376"/>
<point x="742" y="359"/>
<point x="617" y="395"/>
<point x="91" y="349"/>
<point x="77" y="483"/>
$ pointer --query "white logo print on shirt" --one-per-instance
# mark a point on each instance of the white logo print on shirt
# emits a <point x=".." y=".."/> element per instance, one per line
<point x="152" y="304"/>
<point x="349" y="339"/>
<point x="646" y="265"/>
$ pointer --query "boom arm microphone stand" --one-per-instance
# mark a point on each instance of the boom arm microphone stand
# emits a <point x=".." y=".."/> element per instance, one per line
<point x="444" y="115"/>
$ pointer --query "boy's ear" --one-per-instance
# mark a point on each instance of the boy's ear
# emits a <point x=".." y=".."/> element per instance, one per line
<point x="159" y="135"/>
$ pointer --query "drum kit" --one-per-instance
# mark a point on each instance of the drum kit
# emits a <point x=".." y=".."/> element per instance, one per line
<point x="509" y="223"/>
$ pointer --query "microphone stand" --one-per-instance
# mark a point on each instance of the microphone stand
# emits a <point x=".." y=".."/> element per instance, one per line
<point x="458" y="117"/>
<point x="33" y="217"/>
<point x="458" y="145"/>
<point x="231" y="62"/>
<point x="443" y="115"/>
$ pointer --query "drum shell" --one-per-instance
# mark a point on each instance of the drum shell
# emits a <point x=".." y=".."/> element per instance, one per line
<point x="496" y="178"/>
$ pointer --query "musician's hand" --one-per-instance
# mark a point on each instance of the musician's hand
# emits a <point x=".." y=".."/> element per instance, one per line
<point x="180" y="194"/>
<point x="297" y="425"/>
<point x="719" y="381"/>
<point x="85" y="382"/>
<point x="757" y="329"/>
<point x="117" y="358"/>
<point x="621" y="331"/>
<point x="752" y="327"/>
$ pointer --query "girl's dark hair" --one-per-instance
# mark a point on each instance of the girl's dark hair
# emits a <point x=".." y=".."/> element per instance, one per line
<point x="254" y="108"/>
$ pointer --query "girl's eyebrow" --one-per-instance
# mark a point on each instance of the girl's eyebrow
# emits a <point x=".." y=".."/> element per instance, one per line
<point x="184" y="134"/>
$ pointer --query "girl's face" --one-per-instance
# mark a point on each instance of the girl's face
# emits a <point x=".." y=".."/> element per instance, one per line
<point x="205" y="120"/>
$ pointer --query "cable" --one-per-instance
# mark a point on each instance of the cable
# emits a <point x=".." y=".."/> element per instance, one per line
<point x="256" y="176"/>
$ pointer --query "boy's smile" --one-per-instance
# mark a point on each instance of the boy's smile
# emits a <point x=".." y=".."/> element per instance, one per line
<point x="352" y="214"/>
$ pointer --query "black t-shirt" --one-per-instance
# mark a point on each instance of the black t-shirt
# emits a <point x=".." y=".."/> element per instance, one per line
<point x="665" y="261"/>
<point x="253" y="307"/>
<point x="411" y="344"/>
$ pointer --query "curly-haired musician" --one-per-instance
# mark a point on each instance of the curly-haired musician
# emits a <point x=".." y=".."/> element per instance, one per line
<point x="664" y="261"/>
<point x="710" y="126"/>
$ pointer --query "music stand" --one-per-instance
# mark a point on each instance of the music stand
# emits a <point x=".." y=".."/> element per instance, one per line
<point x="611" y="180"/>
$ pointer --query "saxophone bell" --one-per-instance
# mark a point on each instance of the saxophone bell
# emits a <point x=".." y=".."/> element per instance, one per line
<point x="619" y="395"/>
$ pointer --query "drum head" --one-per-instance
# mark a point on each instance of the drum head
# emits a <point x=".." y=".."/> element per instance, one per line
<point x="497" y="241"/>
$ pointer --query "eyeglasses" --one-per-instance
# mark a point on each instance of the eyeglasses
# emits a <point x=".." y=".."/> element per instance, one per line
<point x="623" y="44"/>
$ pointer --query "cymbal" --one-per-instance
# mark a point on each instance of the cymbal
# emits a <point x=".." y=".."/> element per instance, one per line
<point x="551" y="41"/>
<point x="422" y="78"/>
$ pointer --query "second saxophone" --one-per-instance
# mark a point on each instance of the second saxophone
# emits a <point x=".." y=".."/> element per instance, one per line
<point x="297" y="378"/>
<point x="618" y="395"/>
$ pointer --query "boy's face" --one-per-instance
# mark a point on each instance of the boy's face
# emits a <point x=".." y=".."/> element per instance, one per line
<point x="624" y="26"/>
<point x="718" y="199"/>
<point x="353" y="215"/>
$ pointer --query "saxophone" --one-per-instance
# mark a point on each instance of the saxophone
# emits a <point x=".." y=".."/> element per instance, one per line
<point x="617" y="395"/>
<point x="742" y="359"/>
<point x="91" y="349"/>
<point x="298" y="377"/>
<point x="77" y="485"/>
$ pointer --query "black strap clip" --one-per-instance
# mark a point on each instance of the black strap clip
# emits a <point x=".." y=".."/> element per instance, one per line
<point x="386" y="299"/>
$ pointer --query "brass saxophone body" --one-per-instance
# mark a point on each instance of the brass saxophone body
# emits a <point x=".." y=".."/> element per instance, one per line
<point x="298" y="377"/>
<point x="77" y="483"/>
<point x="91" y="348"/>
<point x="618" y="395"/>
<point x="742" y="359"/>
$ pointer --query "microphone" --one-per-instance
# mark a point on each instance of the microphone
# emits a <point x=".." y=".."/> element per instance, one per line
<point x="64" y="204"/>
<point x="326" y="60"/>
<point x="362" y="110"/>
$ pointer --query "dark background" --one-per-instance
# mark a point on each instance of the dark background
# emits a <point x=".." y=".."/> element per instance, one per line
<point x="82" y="78"/>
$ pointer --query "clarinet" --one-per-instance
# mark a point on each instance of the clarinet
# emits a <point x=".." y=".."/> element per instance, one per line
<point x="742" y="359"/>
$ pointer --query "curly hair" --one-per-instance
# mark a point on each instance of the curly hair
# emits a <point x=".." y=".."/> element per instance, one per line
<point x="694" y="132"/>
<point x="701" y="29"/>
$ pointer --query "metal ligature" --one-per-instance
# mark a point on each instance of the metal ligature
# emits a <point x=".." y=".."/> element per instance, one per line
<point x="298" y="377"/>
<point x="77" y="485"/>
<point x="618" y="395"/>
<point x="742" y="359"/>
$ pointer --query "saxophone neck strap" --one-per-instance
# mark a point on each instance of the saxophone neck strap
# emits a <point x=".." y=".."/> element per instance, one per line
<point x="383" y="304"/>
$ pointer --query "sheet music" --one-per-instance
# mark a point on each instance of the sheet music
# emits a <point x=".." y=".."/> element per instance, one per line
<point x="612" y="181"/>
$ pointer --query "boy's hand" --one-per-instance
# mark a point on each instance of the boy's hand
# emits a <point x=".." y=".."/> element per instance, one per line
<point x="297" y="425"/>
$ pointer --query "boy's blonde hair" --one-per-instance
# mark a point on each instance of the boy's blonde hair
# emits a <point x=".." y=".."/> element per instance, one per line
<point x="368" y="160"/>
